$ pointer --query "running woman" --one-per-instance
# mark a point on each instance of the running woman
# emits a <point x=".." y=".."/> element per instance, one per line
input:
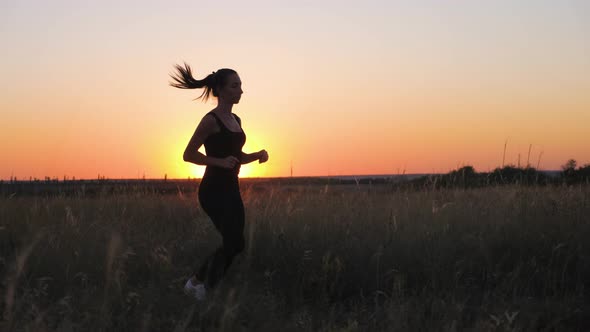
<point x="221" y="132"/>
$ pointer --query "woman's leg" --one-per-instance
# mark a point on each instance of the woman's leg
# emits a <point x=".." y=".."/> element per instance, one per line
<point x="228" y="218"/>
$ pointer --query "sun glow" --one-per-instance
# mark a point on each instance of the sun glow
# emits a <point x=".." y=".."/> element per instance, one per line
<point x="196" y="171"/>
<point x="247" y="171"/>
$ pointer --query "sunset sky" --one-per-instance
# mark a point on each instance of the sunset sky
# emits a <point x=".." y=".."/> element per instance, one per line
<point x="331" y="87"/>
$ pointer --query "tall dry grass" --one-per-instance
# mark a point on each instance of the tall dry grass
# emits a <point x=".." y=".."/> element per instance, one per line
<point x="318" y="258"/>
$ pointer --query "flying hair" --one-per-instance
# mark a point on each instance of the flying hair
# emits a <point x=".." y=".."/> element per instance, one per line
<point x="183" y="79"/>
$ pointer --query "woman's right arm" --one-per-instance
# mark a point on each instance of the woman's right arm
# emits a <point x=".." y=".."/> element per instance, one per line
<point x="206" y="127"/>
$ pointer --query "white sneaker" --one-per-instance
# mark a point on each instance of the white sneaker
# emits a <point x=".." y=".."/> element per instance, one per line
<point x="197" y="291"/>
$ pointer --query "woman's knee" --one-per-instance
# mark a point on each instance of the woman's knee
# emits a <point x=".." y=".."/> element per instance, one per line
<point x="234" y="246"/>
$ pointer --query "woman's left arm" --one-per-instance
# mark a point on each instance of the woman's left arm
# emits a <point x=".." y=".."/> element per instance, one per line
<point x="261" y="156"/>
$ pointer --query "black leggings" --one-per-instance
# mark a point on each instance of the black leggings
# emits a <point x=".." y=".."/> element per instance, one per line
<point x="220" y="198"/>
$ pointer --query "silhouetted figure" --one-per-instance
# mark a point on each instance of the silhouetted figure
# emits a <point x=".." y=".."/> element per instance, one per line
<point x="221" y="132"/>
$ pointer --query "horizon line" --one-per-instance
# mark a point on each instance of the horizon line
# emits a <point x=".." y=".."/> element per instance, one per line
<point x="250" y="177"/>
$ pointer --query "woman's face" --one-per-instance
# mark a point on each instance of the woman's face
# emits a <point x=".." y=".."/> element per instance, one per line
<point x="232" y="91"/>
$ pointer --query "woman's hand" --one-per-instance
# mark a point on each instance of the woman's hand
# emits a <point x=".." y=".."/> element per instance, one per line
<point x="263" y="156"/>
<point x="229" y="162"/>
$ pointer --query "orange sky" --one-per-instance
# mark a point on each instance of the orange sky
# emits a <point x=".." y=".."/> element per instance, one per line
<point x="333" y="89"/>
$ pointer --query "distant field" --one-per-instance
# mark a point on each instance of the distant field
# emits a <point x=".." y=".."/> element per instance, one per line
<point x="321" y="256"/>
<point x="174" y="186"/>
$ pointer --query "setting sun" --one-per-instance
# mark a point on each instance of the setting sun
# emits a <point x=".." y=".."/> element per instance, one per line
<point x="247" y="171"/>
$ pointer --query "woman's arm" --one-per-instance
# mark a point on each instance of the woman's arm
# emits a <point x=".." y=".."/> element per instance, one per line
<point x="261" y="156"/>
<point x="206" y="127"/>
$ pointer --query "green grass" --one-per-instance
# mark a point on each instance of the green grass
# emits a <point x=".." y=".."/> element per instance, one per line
<point x="318" y="258"/>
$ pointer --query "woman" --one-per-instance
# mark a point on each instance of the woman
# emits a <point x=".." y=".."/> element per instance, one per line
<point x="221" y="132"/>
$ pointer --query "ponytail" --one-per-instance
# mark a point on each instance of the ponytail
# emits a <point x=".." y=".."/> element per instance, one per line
<point x="183" y="79"/>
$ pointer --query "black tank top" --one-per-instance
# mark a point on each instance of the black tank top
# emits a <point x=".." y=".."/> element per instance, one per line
<point x="222" y="144"/>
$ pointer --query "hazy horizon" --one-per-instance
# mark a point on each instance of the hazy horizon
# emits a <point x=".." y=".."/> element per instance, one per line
<point x="343" y="176"/>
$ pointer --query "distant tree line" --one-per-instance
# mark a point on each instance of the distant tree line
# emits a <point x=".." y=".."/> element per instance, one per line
<point x="572" y="175"/>
<point x="467" y="177"/>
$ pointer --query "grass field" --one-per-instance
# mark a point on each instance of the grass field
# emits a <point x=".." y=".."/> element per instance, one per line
<point x="318" y="258"/>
